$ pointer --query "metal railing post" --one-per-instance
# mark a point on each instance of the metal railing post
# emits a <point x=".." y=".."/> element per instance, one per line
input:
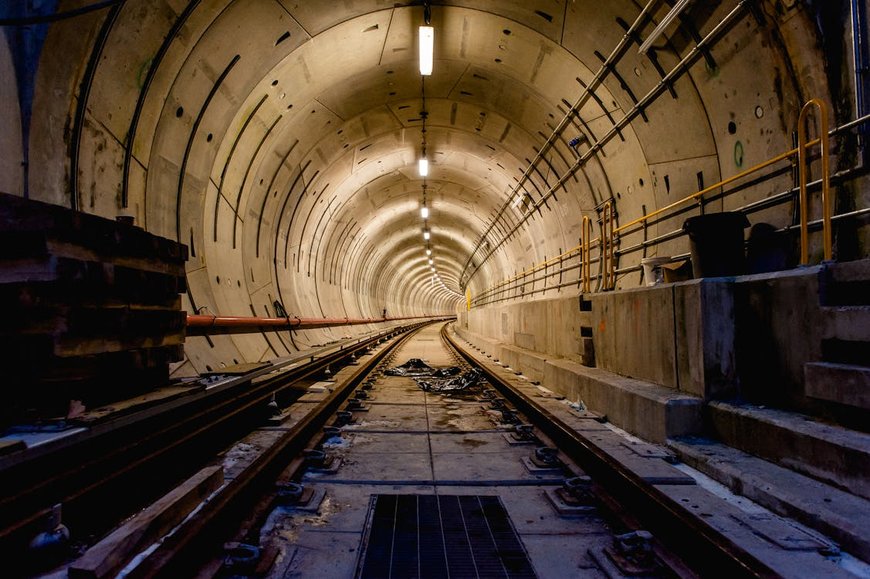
<point x="607" y="253"/>
<point x="585" y="258"/>
<point x="803" y="160"/>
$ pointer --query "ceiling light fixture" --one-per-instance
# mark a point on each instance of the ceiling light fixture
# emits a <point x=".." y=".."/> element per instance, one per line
<point x="426" y="234"/>
<point x="424" y="212"/>
<point x="428" y="252"/>
<point x="427" y="43"/>
<point x="423" y="166"/>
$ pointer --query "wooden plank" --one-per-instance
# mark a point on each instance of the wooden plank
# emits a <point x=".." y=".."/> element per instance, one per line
<point x="10" y="446"/>
<point x="137" y="404"/>
<point x="76" y="321"/>
<point x="112" y="553"/>
<point x="30" y="357"/>
<point x="82" y="267"/>
<point x="82" y="229"/>
<point x="68" y="348"/>
<point x="149" y="290"/>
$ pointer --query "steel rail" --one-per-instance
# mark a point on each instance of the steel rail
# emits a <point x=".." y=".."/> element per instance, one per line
<point x="179" y="554"/>
<point x="82" y="476"/>
<point x="674" y="525"/>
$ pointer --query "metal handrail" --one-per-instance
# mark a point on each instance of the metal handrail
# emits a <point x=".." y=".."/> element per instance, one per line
<point x="608" y="222"/>
<point x="586" y="243"/>
<point x="803" y="145"/>
<point x="609" y="272"/>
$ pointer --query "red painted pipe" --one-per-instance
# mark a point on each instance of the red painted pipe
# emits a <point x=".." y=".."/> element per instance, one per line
<point x="198" y="325"/>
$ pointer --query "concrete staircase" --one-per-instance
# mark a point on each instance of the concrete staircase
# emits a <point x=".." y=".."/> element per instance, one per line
<point x="813" y="466"/>
<point x="843" y="376"/>
<point x="838" y="514"/>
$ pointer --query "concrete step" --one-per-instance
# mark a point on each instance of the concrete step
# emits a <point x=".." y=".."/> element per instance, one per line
<point x="846" y="271"/>
<point x="838" y="514"/>
<point x="856" y="352"/>
<point x="849" y="323"/>
<point x="848" y="283"/>
<point x="826" y="452"/>
<point x="843" y="383"/>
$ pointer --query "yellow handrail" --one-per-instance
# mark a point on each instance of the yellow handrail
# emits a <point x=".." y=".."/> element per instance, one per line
<point x="607" y="246"/>
<point x="608" y="220"/>
<point x="803" y="145"/>
<point x="586" y="244"/>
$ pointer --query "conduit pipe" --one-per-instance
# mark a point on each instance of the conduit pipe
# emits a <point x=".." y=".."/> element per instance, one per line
<point x="199" y="325"/>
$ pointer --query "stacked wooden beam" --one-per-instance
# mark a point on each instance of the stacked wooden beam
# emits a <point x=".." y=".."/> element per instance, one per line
<point x="92" y="308"/>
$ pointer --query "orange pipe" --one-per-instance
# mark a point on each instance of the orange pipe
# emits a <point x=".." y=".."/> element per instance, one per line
<point x="199" y="325"/>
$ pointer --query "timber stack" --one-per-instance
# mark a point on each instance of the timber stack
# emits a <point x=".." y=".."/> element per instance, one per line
<point x="93" y="312"/>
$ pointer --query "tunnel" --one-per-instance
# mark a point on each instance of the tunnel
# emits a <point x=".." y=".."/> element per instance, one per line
<point x="279" y="141"/>
<point x="569" y="146"/>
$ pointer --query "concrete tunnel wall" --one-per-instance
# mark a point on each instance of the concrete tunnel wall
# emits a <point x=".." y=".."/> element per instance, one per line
<point x="279" y="139"/>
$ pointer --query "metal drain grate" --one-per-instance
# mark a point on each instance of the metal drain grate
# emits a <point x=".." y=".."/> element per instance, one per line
<point x="441" y="536"/>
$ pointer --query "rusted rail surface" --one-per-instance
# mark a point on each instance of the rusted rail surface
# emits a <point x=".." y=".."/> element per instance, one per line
<point x="678" y="528"/>
<point x="236" y="512"/>
<point x="105" y="472"/>
<point x="180" y="554"/>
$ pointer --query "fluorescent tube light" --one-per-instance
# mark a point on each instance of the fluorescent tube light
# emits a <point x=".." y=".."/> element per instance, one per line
<point x="427" y="49"/>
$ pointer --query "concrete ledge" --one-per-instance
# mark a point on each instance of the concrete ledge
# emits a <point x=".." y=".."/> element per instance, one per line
<point x="531" y="364"/>
<point x="826" y="452"/>
<point x="840" y="515"/>
<point x="842" y="383"/>
<point x="650" y="411"/>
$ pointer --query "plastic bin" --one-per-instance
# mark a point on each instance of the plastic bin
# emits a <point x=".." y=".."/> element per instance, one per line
<point x="716" y="241"/>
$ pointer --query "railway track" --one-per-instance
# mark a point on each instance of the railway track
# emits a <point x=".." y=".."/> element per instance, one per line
<point x="474" y="473"/>
<point x="87" y="477"/>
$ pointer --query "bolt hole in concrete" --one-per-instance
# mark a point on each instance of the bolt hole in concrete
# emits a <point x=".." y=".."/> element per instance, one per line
<point x="732" y="128"/>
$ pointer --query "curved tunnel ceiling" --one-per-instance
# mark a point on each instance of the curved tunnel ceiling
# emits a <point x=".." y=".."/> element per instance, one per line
<point x="279" y="139"/>
<point x="348" y="105"/>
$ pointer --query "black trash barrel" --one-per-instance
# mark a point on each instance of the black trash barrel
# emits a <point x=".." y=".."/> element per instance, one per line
<point x="716" y="241"/>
